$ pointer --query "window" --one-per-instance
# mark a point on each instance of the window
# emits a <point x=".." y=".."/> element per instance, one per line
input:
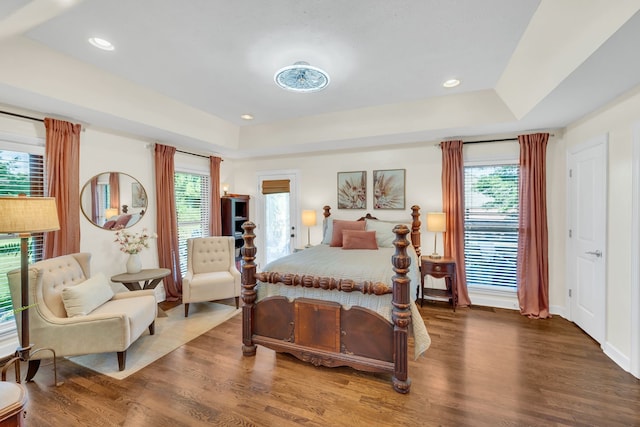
<point x="491" y="225"/>
<point x="19" y="173"/>
<point x="192" y="205"/>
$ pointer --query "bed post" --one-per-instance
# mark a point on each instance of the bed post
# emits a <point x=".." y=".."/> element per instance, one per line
<point x="401" y="314"/>
<point x="248" y="288"/>
<point x="415" y="228"/>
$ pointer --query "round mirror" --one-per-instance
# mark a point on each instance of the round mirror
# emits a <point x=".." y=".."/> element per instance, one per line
<point x="113" y="200"/>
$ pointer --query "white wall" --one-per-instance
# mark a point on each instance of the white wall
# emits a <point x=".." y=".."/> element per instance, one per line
<point x="106" y="151"/>
<point x="423" y="188"/>
<point x="617" y="120"/>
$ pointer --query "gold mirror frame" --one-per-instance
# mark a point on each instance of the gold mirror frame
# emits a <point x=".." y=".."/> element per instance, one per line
<point x="113" y="200"/>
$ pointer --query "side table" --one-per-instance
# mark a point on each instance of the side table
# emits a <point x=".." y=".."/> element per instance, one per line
<point x="438" y="268"/>
<point x="144" y="279"/>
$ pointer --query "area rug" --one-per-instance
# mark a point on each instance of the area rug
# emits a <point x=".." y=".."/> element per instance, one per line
<point x="172" y="331"/>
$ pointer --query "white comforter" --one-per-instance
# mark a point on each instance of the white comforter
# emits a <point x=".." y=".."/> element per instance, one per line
<point x="358" y="265"/>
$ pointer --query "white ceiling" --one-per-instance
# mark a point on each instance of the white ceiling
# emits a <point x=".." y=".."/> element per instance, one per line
<point x="183" y="72"/>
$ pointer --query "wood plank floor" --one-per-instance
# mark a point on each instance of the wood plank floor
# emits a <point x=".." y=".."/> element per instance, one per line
<point x="485" y="367"/>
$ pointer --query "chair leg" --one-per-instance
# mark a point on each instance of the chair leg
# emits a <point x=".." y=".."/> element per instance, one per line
<point x="152" y="328"/>
<point x="237" y="303"/>
<point x="122" y="360"/>
<point x="186" y="309"/>
<point x="32" y="369"/>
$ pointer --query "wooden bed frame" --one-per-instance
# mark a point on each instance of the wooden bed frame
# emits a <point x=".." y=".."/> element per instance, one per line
<point x="322" y="332"/>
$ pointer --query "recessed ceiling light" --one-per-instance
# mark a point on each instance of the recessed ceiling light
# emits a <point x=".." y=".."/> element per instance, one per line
<point x="301" y="77"/>
<point x="451" y="83"/>
<point x="101" y="43"/>
<point x="246" y="117"/>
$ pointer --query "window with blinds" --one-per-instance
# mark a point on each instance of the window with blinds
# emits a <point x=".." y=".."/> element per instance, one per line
<point x="19" y="173"/>
<point x="192" y="205"/>
<point x="491" y="225"/>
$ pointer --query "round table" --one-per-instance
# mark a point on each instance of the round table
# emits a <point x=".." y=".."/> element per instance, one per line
<point x="144" y="279"/>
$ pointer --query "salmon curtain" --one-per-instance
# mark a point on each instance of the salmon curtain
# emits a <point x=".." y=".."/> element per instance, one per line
<point x="533" y="254"/>
<point x="167" y="221"/>
<point x="453" y="207"/>
<point x="95" y="202"/>
<point x="114" y="190"/>
<point x="215" y="220"/>
<point x="62" y="166"/>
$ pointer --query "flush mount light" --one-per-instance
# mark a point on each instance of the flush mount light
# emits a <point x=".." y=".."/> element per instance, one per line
<point x="101" y="43"/>
<point x="246" y="117"/>
<point x="451" y="83"/>
<point x="301" y="77"/>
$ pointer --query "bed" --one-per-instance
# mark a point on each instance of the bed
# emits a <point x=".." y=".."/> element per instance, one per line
<point x="335" y="307"/>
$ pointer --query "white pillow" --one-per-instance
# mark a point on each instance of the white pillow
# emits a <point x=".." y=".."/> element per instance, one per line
<point x="384" y="231"/>
<point x="327" y="227"/>
<point x="82" y="299"/>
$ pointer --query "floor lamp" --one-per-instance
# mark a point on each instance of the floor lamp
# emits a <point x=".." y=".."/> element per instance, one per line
<point x="437" y="223"/>
<point x="308" y="220"/>
<point x="24" y="216"/>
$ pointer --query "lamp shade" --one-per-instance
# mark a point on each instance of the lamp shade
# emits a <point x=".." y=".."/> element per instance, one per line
<point x="111" y="212"/>
<point x="308" y="218"/>
<point x="436" y="221"/>
<point x="23" y="215"/>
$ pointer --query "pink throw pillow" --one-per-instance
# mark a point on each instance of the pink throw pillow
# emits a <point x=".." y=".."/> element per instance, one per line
<point x="356" y="239"/>
<point x="339" y="226"/>
<point x="109" y="224"/>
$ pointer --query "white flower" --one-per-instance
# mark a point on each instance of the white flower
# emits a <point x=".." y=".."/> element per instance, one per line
<point x="132" y="243"/>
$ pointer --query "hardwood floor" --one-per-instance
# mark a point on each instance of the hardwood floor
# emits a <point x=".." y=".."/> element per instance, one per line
<point x="485" y="367"/>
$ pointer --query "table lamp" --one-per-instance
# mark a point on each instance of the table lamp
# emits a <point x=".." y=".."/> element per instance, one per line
<point x="308" y="220"/>
<point x="436" y="222"/>
<point x="110" y="212"/>
<point x="24" y="216"/>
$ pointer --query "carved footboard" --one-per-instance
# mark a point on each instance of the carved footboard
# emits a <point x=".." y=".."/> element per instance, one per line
<point x="322" y="332"/>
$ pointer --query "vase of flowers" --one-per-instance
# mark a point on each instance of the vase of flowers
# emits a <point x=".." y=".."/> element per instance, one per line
<point x="132" y="244"/>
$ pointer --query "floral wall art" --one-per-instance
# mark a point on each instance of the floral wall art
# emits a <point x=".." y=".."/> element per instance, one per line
<point x="388" y="189"/>
<point x="352" y="190"/>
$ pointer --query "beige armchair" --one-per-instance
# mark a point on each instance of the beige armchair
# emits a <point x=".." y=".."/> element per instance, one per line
<point x="74" y="313"/>
<point x="211" y="271"/>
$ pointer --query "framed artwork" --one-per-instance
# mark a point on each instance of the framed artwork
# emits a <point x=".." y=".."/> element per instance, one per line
<point x="138" y="195"/>
<point x="388" y="189"/>
<point x="352" y="190"/>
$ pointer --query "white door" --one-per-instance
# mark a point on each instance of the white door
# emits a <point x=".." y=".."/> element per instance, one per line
<point x="587" y="239"/>
<point x="277" y="230"/>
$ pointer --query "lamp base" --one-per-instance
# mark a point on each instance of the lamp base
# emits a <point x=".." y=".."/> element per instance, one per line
<point x="435" y="255"/>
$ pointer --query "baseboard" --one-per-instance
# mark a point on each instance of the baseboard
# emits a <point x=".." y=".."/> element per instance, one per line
<point x="616" y="355"/>
<point x="558" y="310"/>
<point x="491" y="298"/>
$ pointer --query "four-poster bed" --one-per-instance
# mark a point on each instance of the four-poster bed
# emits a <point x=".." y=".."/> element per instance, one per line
<point x="335" y="307"/>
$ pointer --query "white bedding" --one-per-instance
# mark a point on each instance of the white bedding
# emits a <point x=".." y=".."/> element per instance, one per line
<point x="356" y="264"/>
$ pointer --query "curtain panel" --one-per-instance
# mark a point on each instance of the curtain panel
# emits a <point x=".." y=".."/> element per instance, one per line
<point x="62" y="167"/>
<point x="533" y="249"/>
<point x="453" y="207"/>
<point x="167" y="221"/>
<point x="215" y="219"/>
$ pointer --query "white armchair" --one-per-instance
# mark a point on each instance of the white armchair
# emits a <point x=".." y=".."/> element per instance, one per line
<point x="74" y="313"/>
<point x="211" y="271"/>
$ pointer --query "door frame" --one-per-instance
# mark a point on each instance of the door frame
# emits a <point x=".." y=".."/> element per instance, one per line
<point x="635" y="252"/>
<point x="294" y="200"/>
<point x="602" y="139"/>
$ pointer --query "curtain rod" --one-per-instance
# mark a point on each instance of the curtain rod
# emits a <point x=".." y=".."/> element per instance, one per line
<point x="194" y="154"/>
<point x="489" y="140"/>
<point x="22" y="116"/>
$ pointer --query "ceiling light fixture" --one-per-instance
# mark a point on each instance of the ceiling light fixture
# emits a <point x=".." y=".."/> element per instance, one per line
<point x="246" y="117"/>
<point x="101" y="43"/>
<point x="451" y="83"/>
<point x="301" y="77"/>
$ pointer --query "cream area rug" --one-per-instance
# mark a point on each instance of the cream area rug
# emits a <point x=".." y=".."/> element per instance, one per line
<point x="172" y="331"/>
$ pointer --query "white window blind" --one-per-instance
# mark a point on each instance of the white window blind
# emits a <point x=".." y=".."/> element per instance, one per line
<point x="19" y="173"/>
<point x="491" y="225"/>
<point x="192" y="205"/>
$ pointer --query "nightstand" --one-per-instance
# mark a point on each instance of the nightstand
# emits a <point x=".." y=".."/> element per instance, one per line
<point x="438" y="268"/>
